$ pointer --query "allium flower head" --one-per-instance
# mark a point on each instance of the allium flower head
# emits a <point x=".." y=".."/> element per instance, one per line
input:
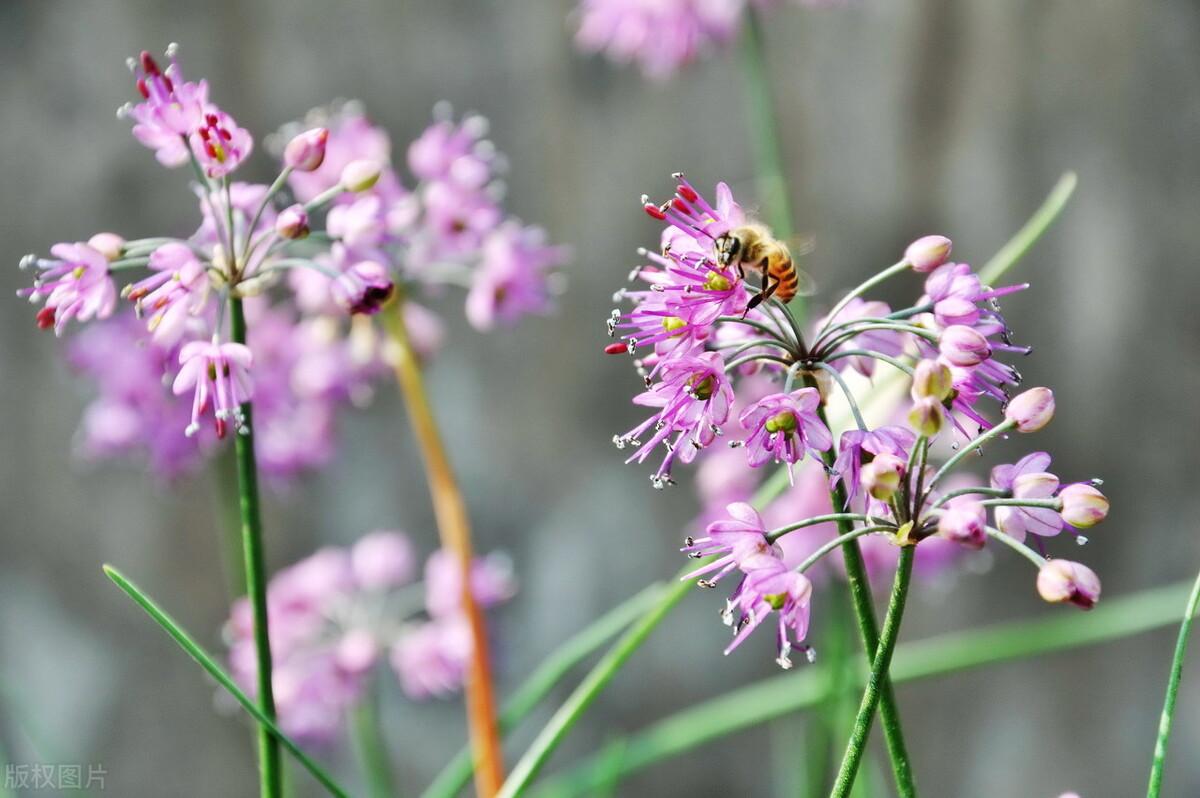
<point x="335" y="615"/>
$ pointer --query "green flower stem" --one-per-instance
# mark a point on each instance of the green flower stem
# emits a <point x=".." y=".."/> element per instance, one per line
<point x="271" y="783"/>
<point x="970" y="446"/>
<point x="1017" y="546"/>
<point x="372" y="748"/>
<point x="776" y="534"/>
<point x="837" y="542"/>
<point x="1024" y="239"/>
<point x="864" y="611"/>
<point x="878" y="678"/>
<point x="1048" y="504"/>
<point x="777" y="696"/>
<point x="457" y="773"/>
<point x="976" y="491"/>
<point x="1168" y="713"/>
<point x="205" y="660"/>
<point x="892" y="361"/>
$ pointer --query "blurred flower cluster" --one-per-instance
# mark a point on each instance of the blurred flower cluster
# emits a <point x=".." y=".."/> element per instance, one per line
<point x="663" y="36"/>
<point x="722" y="359"/>
<point x="333" y="239"/>
<point x="335" y="615"/>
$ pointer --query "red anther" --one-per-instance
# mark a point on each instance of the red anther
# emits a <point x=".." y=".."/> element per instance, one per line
<point x="205" y="133"/>
<point x="45" y="318"/>
<point x="149" y="65"/>
<point x="687" y="192"/>
<point x="221" y="426"/>
<point x="655" y="211"/>
<point x="211" y="119"/>
<point x="142" y="90"/>
<point x="680" y="205"/>
<point x="225" y="134"/>
<point x="616" y="349"/>
<point x="167" y="82"/>
<point x="210" y="149"/>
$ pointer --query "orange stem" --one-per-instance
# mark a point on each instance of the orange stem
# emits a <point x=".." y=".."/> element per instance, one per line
<point x="454" y="527"/>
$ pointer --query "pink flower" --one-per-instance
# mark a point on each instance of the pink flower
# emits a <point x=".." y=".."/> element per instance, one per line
<point x="219" y="376"/>
<point x="432" y="659"/>
<point x="772" y="586"/>
<point x="383" y="559"/>
<point x="783" y="426"/>
<point x="171" y="109"/>
<point x="964" y="521"/>
<point x="306" y="151"/>
<point x="927" y="253"/>
<point x="363" y="288"/>
<point x="693" y="399"/>
<point x="513" y="277"/>
<point x="491" y="583"/>
<point x="175" y="292"/>
<point x="738" y="539"/>
<point x="661" y="36"/>
<point x="1065" y="581"/>
<point x="219" y="144"/>
<point x="76" y="285"/>
<point x="858" y="447"/>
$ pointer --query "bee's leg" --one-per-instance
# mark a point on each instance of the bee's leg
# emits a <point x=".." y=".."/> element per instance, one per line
<point x="768" y="289"/>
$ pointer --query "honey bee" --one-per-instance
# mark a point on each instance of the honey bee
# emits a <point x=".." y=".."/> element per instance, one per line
<point x="752" y="245"/>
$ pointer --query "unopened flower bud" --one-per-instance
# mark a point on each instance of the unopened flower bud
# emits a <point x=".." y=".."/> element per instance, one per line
<point x="1062" y="580"/>
<point x="292" y="222"/>
<point x="110" y="245"/>
<point x="927" y="416"/>
<point x="383" y="560"/>
<point x="361" y="175"/>
<point x="963" y="346"/>
<point x="964" y="523"/>
<point x="932" y="380"/>
<point x="306" y="151"/>
<point x="927" y="253"/>
<point x="364" y="287"/>
<point x="881" y="476"/>
<point x="1082" y="505"/>
<point x="1031" y="410"/>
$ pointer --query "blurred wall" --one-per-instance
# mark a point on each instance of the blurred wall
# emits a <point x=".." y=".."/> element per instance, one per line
<point x="899" y="118"/>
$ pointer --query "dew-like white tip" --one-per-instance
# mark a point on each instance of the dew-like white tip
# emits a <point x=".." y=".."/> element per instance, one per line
<point x="131" y="63"/>
<point x="172" y="49"/>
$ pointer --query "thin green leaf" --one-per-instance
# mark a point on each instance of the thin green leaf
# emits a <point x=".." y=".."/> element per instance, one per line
<point x="1168" y="713"/>
<point x="202" y="657"/>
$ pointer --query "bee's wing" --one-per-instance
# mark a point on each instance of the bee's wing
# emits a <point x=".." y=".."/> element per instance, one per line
<point x="801" y="245"/>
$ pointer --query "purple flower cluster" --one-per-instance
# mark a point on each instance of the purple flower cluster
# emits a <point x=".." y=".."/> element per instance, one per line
<point x="663" y="36"/>
<point x="330" y="242"/>
<point x="718" y="362"/>
<point x="337" y="614"/>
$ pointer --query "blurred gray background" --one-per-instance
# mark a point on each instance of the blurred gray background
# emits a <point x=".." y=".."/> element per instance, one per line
<point x="899" y="119"/>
